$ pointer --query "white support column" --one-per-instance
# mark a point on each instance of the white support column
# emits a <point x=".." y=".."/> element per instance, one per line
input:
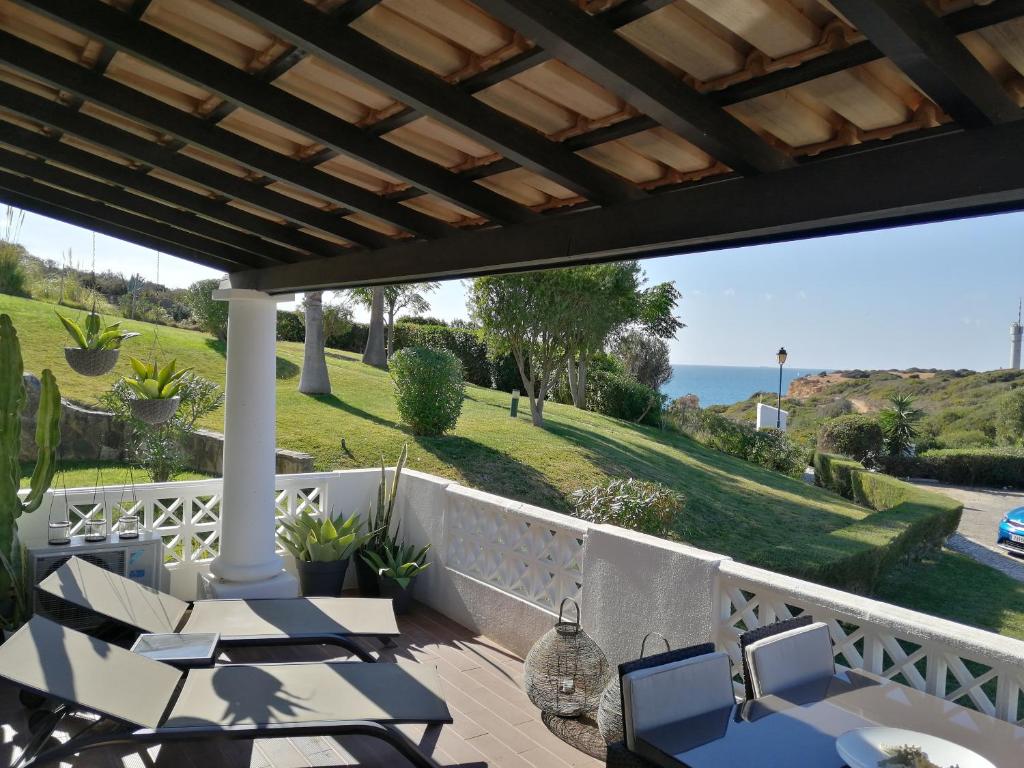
<point x="247" y="565"/>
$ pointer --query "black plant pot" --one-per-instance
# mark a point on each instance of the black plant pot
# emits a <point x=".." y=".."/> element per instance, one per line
<point x="401" y="597"/>
<point x="367" y="578"/>
<point x="321" y="579"/>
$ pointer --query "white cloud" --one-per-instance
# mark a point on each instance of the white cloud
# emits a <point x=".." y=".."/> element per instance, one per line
<point x="729" y="292"/>
<point x="769" y="296"/>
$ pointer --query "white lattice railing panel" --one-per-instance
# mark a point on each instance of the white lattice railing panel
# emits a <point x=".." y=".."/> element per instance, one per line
<point x="533" y="556"/>
<point x="958" y="663"/>
<point x="298" y="494"/>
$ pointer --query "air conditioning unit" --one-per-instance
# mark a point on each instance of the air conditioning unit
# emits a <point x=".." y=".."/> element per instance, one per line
<point x="140" y="560"/>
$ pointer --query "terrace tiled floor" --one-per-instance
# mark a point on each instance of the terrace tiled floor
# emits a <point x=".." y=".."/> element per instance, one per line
<point x="495" y="724"/>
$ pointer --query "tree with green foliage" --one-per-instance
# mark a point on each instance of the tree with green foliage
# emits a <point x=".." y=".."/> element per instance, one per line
<point x="899" y="423"/>
<point x="210" y="315"/>
<point x="530" y="316"/>
<point x="1010" y="418"/>
<point x="644" y="356"/>
<point x="397" y="298"/>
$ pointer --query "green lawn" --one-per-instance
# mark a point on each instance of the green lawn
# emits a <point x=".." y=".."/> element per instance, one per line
<point x="733" y="507"/>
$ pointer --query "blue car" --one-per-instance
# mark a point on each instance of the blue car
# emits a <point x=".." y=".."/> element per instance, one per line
<point x="1011" y="531"/>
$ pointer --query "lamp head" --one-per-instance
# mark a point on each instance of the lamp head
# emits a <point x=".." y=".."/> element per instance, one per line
<point x="781" y="355"/>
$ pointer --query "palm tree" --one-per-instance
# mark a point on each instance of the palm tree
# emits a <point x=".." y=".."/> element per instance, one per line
<point x="315" y="379"/>
<point x="898" y="423"/>
<point x="375" y="354"/>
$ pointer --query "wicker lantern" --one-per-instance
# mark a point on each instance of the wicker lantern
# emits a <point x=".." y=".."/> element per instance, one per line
<point x="565" y="670"/>
<point x="609" y="712"/>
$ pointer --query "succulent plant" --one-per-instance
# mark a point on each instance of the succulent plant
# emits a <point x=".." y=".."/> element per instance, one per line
<point x="95" y="335"/>
<point x="13" y="397"/>
<point x="400" y="563"/>
<point x="151" y="382"/>
<point x="323" y="541"/>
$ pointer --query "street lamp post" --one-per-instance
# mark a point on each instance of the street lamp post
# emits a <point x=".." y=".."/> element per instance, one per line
<point x="781" y="356"/>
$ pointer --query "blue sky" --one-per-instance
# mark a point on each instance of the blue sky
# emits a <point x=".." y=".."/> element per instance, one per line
<point x="937" y="295"/>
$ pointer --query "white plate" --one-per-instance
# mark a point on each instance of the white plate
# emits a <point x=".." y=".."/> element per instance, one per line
<point x="865" y="748"/>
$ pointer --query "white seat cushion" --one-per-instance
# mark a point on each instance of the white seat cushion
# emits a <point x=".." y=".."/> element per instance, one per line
<point x="675" y="691"/>
<point x="790" y="658"/>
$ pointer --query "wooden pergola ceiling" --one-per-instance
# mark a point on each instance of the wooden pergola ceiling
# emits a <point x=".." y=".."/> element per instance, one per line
<point x="304" y="144"/>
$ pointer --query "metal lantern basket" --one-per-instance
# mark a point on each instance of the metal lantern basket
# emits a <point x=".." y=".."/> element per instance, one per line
<point x="91" y="362"/>
<point x="155" y="411"/>
<point x="609" y="712"/>
<point x="566" y="671"/>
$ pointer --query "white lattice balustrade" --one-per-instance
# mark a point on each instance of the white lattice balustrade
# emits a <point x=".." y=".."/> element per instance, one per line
<point x="961" y="664"/>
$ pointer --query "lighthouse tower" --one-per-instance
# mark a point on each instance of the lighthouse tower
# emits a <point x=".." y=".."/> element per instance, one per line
<point x="1016" y="330"/>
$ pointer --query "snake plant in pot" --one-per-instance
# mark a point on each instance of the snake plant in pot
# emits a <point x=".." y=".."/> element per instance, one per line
<point x="398" y="565"/>
<point x="322" y="550"/>
<point x="379" y="518"/>
<point x="98" y="345"/>
<point x="156" y="390"/>
<point x="14" y="596"/>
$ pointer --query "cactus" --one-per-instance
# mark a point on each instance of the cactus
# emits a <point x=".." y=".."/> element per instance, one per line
<point x="13" y="397"/>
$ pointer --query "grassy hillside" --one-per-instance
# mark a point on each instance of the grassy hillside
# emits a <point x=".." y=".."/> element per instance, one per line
<point x="733" y="507"/>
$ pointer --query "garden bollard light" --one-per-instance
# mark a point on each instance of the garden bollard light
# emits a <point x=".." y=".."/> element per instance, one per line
<point x="514" y="410"/>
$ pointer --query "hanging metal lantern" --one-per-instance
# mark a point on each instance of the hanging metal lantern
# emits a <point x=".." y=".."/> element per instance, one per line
<point x="609" y="712"/>
<point x="566" y="671"/>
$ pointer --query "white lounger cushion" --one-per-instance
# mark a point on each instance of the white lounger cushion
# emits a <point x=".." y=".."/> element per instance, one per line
<point x="675" y="691"/>
<point x="791" y="658"/>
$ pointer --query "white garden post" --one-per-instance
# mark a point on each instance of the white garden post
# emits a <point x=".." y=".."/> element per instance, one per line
<point x="247" y="564"/>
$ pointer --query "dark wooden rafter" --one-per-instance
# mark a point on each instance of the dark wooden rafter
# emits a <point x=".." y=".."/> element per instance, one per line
<point x="166" y="238"/>
<point x="167" y="52"/>
<point x="304" y="26"/>
<point x="920" y="44"/>
<point x="983" y="172"/>
<point x="588" y="46"/>
<point x="251" y="250"/>
<point x="67" y="120"/>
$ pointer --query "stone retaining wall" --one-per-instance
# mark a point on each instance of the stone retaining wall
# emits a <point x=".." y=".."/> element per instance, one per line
<point x="88" y="435"/>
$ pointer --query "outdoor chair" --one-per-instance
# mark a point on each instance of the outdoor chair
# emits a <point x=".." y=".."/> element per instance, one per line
<point x="786" y="654"/>
<point x="665" y="688"/>
<point x="118" y="697"/>
<point x="292" y="621"/>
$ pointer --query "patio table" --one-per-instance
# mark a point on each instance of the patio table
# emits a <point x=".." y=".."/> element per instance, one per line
<point x="799" y="727"/>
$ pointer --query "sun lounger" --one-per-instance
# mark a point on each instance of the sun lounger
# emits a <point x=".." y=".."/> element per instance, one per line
<point x="141" y="701"/>
<point x="295" y="621"/>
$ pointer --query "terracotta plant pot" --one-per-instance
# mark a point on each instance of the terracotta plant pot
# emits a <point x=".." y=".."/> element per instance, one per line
<point x="401" y="597"/>
<point x="367" y="578"/>
<point x="155" y="411"/>
<point x="91" y="362"/>
<point x="321" y="579"/>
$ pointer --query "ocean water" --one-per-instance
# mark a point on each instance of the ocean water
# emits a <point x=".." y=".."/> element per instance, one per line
<point x="726" y="384"/>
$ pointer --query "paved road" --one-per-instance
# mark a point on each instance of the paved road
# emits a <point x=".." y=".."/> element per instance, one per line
<point x="976" y="536"/>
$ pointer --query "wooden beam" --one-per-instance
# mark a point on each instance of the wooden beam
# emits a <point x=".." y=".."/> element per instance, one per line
<point x="91" y="214"/>
<point x="589" y="46"/>
<point x="305" y="27"/>
<point x="919" y="43"/>
<point x="117" y="29"/>
<point x="79" y="160"/>
<point x="248" y="250"/>
<point x="953" y="175"/>
<point x="122" y="142"/>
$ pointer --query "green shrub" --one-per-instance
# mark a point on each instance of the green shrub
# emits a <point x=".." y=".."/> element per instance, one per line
<point x="855" y="435"/>
<point x="505" y="373"/>
<point x="907" y="522"/>
<point x="13" y="280"/>
<point x="962" y="438"/>
<point x="995" y="467"/>
<point x="353" y="339"/>
<point x="428" y="388"/>
<point x="772" y="449"/>
<point x="466" y="345"/>
<point x="639" y="505"/>
<point x="1010" y="417"/>
<point x="621" y="397"/>
<point x="290" y="327"/>
<point x="210" y="315"/>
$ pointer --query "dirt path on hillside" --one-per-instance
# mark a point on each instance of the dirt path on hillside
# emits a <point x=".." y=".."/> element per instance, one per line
<point x="860" y="405"/>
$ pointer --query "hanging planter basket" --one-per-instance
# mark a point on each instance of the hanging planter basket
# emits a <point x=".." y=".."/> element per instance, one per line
<point x="155" y="411"/>
<point x="91" y="362"/>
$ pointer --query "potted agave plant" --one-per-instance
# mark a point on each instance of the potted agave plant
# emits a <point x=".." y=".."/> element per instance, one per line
<point x="156" y="390"/>
<point x="379" y="519"/>
<point x="99" y="345"/>
<point x="398" y="565"/>
<point x="322" y="550"/>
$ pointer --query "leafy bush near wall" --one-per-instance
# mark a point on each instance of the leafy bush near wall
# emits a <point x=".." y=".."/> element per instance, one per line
<point x="622" y="397"/>
<point x="907" y="522"/>
<point x="855" y="435"/>
<point x="352" y="340"/>
<point x="997" y="467"/>
<point x="290" y="327"/>
<point x="639" y="505"/>
<point x="429" y="388"/>
<point x="768" y="448"/>
<point x="466" y="345"/>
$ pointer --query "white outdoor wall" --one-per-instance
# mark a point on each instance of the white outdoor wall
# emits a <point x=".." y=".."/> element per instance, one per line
<point x="635" y="584"/>
<point x="767" y="417"/>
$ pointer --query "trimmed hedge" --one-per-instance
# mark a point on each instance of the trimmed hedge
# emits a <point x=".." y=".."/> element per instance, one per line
<point x="856" y="435"/>
<point x="290" y="326"/>
<point x="466" y="345"/>
<point x="429" y="388"/>
<point x="994" y="467"/>
<point x="908" y="521"/>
